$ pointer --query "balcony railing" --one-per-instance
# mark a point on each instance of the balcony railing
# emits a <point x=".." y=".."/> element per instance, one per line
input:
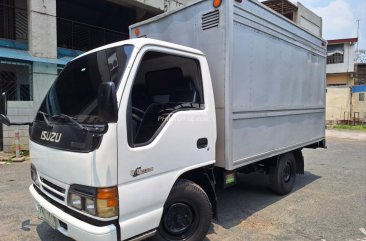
<point x="13" y="22"/>
<point x="81" y="36"/>
<point x="70" y="34"/>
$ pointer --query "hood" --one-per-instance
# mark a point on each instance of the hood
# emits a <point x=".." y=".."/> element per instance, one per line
<point x="97" y="168"/>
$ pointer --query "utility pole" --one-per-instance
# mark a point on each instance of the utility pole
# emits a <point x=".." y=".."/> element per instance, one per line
<point x="358" y="31"/>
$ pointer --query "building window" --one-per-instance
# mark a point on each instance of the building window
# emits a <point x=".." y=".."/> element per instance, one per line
<point x="361" y="97"/>
<point x="16" y="81"/>
<point x="13" y="19"/>
<point x="335" y="54"/>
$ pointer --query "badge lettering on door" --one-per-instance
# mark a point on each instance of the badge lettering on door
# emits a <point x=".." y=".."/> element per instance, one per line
<point x="138" y="171"/>
<point x="51" y="136"/>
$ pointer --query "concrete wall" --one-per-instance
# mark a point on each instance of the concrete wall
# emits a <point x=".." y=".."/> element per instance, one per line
<point x="309" y="20"/>
<point x="18" y="111"/>
<point x="348" y="64"/>
<point x="338" y="100"/>
<point x="43" y="75"/>
<point x="42" y="28"/>
<point x="172" y="4"/>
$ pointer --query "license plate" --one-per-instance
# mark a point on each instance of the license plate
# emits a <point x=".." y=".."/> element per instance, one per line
<point x="47" y="216"/>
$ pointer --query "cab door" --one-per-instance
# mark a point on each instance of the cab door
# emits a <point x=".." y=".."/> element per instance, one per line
<point x="166" y="127"/>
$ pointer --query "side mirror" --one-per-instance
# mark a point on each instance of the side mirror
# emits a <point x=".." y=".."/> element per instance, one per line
<point x="3" y="110"/>
<point x="107" y="102"/>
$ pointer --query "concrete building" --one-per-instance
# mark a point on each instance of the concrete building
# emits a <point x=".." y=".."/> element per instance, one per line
<point x="346" y="81"/>
<point x="359" y="92"/>
<point x="341" y="61"/>
<point x="298" y="13"/>
<point x="39" y="37"/>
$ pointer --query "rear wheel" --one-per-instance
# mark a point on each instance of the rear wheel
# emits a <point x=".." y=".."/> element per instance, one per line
<point x="187" y="213"/>
<point x="282" y="175"/>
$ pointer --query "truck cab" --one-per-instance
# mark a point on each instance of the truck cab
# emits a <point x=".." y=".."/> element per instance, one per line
<point x="117" y="129"/>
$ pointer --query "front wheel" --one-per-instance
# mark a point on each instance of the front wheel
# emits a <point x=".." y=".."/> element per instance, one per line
<point x="187" y="214"/>
<point x="282" y="175"/>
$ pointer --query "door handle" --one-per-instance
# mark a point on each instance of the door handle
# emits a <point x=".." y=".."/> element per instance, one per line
<point x="202" y="143"/>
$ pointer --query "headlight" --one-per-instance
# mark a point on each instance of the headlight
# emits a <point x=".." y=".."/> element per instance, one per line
<point x="90" y="206"/>
<point x="34" y="175"/>
<point x="75" y="201"/>
<point x="100" y="202"/>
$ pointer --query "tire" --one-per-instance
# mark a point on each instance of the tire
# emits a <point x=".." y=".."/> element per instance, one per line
<point x="282" y="174"/>
<point x="187" y="214"/>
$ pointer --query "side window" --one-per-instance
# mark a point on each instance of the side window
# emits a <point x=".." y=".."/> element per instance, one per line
<point x="163" y="85"/>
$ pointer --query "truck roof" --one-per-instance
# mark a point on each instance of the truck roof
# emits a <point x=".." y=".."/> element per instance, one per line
<point x="194" y="2"/>
<point x="141" y="42"/>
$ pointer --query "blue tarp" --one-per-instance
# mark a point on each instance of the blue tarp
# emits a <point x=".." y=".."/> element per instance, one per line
<point x="358" y="88"/>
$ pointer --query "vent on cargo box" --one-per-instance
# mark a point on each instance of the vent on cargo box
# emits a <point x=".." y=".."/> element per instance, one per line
<point x="210" y="20"/>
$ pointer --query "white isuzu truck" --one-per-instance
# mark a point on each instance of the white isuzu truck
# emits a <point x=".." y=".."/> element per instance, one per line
<point x="133" y="138"/>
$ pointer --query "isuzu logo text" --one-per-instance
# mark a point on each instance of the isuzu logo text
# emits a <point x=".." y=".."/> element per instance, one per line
<point x="51" y="136"/>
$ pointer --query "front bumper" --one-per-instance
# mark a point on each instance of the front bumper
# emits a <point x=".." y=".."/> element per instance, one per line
<point x="76" y="229"/>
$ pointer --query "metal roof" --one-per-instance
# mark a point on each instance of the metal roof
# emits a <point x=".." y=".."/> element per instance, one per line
<point x="345" y="40"/>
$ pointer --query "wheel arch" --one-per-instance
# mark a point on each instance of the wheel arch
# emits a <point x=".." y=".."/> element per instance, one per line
<point x="204" y="177"/>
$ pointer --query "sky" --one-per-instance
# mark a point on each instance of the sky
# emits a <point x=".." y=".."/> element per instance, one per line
<point x="339" y="18"/>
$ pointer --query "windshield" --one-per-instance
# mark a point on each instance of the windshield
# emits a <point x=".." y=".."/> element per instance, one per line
<point x="75" y="91"/>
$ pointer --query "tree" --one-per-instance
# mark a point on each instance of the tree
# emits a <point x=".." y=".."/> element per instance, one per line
<point x="360" y="56"/>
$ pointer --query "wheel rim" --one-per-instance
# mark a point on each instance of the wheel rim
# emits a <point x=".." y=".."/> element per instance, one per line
<point x="178" y="219"/>
<point x="287" y="172"/>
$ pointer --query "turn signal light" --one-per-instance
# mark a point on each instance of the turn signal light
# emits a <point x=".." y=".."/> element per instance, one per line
<point x="107" y="202"/>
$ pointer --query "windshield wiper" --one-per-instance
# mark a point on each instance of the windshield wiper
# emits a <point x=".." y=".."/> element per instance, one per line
<point x="45" y="118"/>
<point x="69" y="118"/>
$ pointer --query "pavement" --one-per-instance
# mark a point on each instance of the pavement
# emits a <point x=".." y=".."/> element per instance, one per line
<point x="328" y="202"/>
<point x="347" y="134"/>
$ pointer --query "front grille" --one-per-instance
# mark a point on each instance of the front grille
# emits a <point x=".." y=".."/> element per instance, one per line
<point x="53" y="189"/>
<point x="210" y="19"/>
<point x="53" y="193"/>
<point x="48" y="183"/>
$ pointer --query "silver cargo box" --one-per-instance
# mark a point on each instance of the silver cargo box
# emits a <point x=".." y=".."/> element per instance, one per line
<point x="268" y="75"/>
